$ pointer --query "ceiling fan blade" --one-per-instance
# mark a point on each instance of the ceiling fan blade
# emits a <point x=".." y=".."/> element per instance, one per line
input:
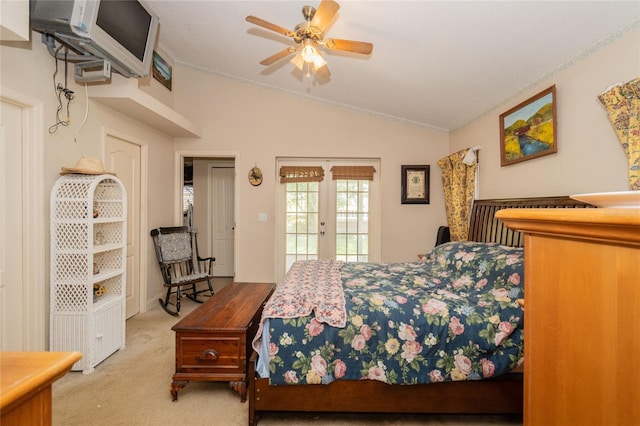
<point x="325" y="12"/>
<point x="268" y="25"/>
<point x="274" y="58"/>
<point x="349" y="45"/>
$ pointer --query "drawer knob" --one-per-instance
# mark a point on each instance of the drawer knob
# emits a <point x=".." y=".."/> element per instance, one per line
<point x="208" y="355"/>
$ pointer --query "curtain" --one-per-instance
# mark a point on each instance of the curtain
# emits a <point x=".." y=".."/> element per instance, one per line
<point x="458" y="180"/>
<point x="622" y="103"/>
<point x="301" y="174"/>
<point x="353" y="172"/>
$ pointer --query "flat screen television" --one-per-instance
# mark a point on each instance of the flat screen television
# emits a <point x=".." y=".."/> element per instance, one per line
<point x="120" y="31"/>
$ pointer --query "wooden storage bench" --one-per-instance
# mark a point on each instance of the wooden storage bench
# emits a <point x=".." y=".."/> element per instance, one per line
<point x="213" y="343"/>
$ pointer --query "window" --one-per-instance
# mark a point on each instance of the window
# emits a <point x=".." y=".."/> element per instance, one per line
<point x="327" y="218"/>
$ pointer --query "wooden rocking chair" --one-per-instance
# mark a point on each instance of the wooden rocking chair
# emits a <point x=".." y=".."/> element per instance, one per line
<point x="175" y="253"/>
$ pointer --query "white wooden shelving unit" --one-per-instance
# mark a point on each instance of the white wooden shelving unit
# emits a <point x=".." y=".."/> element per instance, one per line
<point x="88" y="247"/>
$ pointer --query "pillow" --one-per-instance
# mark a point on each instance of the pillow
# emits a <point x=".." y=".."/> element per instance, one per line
<point x="480" y="268"/>
<point x="472" y="256"/>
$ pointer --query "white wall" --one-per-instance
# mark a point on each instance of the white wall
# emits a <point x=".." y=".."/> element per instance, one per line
<point x="589" y="157"/>
<point x="261" y="124"/>
<point x="27" y="68"/>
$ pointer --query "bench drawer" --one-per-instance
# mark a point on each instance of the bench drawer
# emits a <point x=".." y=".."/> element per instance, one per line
<point x="211" y="353"/>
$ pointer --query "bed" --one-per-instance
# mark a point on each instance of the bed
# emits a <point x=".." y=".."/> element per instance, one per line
<point x="372" y="360"/>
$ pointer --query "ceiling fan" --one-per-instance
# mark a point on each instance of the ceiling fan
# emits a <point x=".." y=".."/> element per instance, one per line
<point x="309" y="35"/>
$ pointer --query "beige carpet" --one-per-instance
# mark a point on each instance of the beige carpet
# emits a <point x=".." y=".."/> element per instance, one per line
<point x="131" y="387"/>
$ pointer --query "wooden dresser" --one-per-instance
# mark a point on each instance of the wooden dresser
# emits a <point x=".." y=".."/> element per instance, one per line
<point x="213" y="343"/>
<point x="582" y="315"/>
<point x="26" y="380"/>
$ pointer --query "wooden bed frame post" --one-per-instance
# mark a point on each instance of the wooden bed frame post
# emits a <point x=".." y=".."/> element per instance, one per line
<point x="251" y="377"/>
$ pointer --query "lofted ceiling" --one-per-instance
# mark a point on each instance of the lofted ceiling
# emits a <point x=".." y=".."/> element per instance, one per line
<point x="439" y="64"/>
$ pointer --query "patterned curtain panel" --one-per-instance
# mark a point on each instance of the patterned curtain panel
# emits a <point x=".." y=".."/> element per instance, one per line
<point x="458" y="180"/>
<point x="622" y="103"/>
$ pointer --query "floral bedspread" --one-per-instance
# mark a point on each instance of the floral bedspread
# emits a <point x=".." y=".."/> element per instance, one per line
<point x="452" y="316"/>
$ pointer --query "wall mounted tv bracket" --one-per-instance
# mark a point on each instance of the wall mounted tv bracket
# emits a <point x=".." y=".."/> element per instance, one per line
<point x="96" y="70"/>
<point x="88" y="68"/>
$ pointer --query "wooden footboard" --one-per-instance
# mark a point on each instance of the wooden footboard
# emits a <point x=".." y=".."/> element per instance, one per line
<point x="500" y="396"/>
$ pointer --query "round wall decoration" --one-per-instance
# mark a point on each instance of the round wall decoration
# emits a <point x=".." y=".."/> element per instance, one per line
<point x="255" y="176"/>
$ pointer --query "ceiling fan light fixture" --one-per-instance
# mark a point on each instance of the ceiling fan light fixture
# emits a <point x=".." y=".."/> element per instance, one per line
<point x="298" y="61"/>
<point x="309" y="52"/>
<point x="308" y="56"/>
<point x="318" y="62"/>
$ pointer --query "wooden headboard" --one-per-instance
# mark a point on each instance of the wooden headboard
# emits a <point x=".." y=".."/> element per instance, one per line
<point x="484" y="227"/>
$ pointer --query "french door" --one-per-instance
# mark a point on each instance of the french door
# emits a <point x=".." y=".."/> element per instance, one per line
<point x="327" y="208"/>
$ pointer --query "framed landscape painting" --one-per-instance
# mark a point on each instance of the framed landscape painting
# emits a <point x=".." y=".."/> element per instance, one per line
<point x="161" y="70"/>
<point x="528" y="130"/>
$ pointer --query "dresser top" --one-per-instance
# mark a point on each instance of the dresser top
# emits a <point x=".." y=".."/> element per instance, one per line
<point x="614" y="225"/>
<point x="22" y="372"/>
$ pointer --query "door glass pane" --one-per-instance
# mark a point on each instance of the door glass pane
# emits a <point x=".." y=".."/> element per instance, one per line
<point x="301" y="244"/>
<point x="341" y="246"/>
<point x="312" y="223"/>
<point x="363" y="245"/>
<point x="301" y="225"/>
<point x="352" y="220"/>
<point x="363" y="223"/>
<point x="341" y="223"/>
<point x="302" y="217"/>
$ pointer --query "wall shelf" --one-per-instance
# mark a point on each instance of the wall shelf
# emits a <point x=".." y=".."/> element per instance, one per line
<point x="123" y="95"/>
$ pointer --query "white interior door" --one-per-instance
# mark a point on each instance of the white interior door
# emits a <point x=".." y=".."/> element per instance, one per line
<point x="23" y="282"/>
<point x="124" y="159"/>
<point x="11" y="263"/>
<point x="222" y="220"/>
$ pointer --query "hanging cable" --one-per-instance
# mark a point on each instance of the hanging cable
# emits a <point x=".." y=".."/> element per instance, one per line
<point x="61" y="91"/>
<point x="84" y="120"/>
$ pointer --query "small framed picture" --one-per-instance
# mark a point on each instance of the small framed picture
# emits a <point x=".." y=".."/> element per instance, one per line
<point x="161" y="70"/>
<point x="528" y="130"/>
<point x="415" y="185"/>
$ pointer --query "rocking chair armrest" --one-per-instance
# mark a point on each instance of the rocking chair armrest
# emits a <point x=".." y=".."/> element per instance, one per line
<point x="204" y="261"/>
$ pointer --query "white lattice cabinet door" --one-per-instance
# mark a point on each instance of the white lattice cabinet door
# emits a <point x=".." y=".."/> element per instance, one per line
<point x="88" y="267"/>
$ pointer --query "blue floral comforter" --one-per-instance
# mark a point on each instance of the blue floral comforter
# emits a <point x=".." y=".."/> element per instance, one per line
<point x="451" y="317"/>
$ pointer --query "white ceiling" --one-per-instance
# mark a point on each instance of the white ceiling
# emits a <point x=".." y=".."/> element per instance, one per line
<point x="439" y="64"/>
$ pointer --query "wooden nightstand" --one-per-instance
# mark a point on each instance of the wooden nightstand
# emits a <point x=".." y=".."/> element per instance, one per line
<point x="213" y="343"/>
